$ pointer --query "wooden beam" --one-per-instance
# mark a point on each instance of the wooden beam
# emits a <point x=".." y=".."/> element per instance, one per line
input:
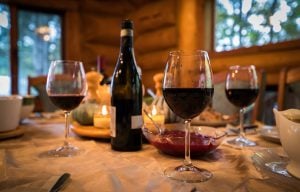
<point x="191" y="24"/>
<point x="160" y="39"/>
<point x="155" y="15"/>
<point x="106" y="8"/>
<point x="14" y="50"/>
<point x="101" y="30"/>
<point x="45" y="4"/>
<point x="71" y="36"/>
<point x="110" y="54"/>
<point x="270" y="61"/>
<point x="153" y="60"/>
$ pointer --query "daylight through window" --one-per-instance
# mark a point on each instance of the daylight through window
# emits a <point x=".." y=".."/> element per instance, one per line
<point x="246" y="23"/>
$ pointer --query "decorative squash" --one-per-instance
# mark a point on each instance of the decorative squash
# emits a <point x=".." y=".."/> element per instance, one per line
<point x="97" y="95"/>
<point x="84" y="113"/>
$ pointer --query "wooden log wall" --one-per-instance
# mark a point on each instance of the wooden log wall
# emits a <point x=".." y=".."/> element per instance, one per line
<point x="156" y="34"/>
<point x="92" y="28"/>
<point x="100" y="32"/>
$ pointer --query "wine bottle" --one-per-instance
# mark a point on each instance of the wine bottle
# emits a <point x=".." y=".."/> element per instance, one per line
<point x="126" y="96"/>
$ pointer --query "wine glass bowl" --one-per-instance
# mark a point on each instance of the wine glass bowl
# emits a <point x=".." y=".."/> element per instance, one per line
<point x="188" y="89"/>
<point x="241" y="90"/>
<point x="66" y="87"/>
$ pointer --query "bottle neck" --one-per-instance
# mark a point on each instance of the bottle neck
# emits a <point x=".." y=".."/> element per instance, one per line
<point x="126" y="39"/>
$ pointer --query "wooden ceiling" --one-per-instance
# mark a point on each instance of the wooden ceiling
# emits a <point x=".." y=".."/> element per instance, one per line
<point x="112" y="7"/>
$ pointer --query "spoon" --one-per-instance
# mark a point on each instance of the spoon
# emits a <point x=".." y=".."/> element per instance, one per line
<point x="154" y="123"/>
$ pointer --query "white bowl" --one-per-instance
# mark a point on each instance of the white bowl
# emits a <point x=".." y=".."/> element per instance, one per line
<point x="10" y="108"/>
<point x="289" y="131"/>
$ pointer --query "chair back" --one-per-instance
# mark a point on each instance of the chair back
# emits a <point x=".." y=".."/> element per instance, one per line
<point x="289" y="88"/>
<point x="42" y="101"/>
<point x="36" y="81"/>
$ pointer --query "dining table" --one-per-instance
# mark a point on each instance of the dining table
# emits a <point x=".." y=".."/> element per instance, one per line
<point x="99" y="168"/>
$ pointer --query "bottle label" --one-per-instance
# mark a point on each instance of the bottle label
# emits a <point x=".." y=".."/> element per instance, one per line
<point x="126" y="32"/>
<point x="136" y="122"/>
<point x="113" y="121"/>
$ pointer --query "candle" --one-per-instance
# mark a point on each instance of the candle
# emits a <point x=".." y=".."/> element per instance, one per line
<point x="102" y="118"/>
<point x="156" y="116"/>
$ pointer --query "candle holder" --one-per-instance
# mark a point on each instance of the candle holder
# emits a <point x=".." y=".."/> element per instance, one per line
<point x="102" y="117"/>
<point x="156" y="114"/>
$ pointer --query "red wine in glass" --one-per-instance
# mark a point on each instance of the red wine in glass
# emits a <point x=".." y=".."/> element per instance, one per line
<point x="188" y="89"/>
<point x="180" y="100"/>
<point x="66" y="87"/>
<point x="66" y="102"/>
<point x="241" y="97"/>
<point x="241" y="90"/>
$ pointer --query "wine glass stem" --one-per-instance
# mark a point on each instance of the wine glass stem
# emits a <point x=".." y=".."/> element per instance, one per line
<point x="67" y="127"/>
<point x="242" y="130"/>
<point x="187" y="158"/>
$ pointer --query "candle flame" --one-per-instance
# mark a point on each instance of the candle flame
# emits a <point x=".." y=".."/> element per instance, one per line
<point x="154" y="111"/>
<point x="104" y="110"/>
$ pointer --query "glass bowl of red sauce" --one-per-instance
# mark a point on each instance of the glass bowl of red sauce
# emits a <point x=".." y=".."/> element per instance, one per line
<point x="204" y="139"/>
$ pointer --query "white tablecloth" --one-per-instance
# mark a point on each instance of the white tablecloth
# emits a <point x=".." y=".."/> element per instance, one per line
<point x="99" y="168"/>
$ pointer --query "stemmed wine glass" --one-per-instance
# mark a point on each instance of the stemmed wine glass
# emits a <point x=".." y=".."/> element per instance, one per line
<point x="241" y="90"/>
<point x="188" y="89"/>
<point x="66" y="87"/>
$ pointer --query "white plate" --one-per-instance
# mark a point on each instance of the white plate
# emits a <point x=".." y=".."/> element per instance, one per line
<point x="90" y="131"/>
<point x="270" y="133"/>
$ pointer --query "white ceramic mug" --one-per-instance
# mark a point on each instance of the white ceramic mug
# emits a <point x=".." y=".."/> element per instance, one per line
<point x="10" y="108"/>
<point x="289" y="132"/>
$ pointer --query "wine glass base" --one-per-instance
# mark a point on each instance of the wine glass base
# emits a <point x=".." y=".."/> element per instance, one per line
<point x="63" y="151"/>
<point x="188" y="173"/>
<point x="242" y="142"/>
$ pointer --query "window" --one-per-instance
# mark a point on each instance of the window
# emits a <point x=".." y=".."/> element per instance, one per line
<point x="246" y="23"/>
<point x="4" y="50"/>
<point x="39" y="41"/>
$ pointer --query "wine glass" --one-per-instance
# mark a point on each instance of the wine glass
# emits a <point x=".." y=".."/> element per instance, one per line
<point x="66" y="87"/>
<point x="241" y="90"/>
<point x="188" y="89"/>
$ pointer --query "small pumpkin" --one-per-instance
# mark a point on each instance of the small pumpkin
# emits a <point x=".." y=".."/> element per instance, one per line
<point x="84" y="113"/>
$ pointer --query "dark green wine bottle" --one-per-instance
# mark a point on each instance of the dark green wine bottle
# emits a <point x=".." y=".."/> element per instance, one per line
<point x="126" y="96"/>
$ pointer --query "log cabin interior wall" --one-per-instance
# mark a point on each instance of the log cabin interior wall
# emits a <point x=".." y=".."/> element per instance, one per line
<point x="92" y="28"/>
